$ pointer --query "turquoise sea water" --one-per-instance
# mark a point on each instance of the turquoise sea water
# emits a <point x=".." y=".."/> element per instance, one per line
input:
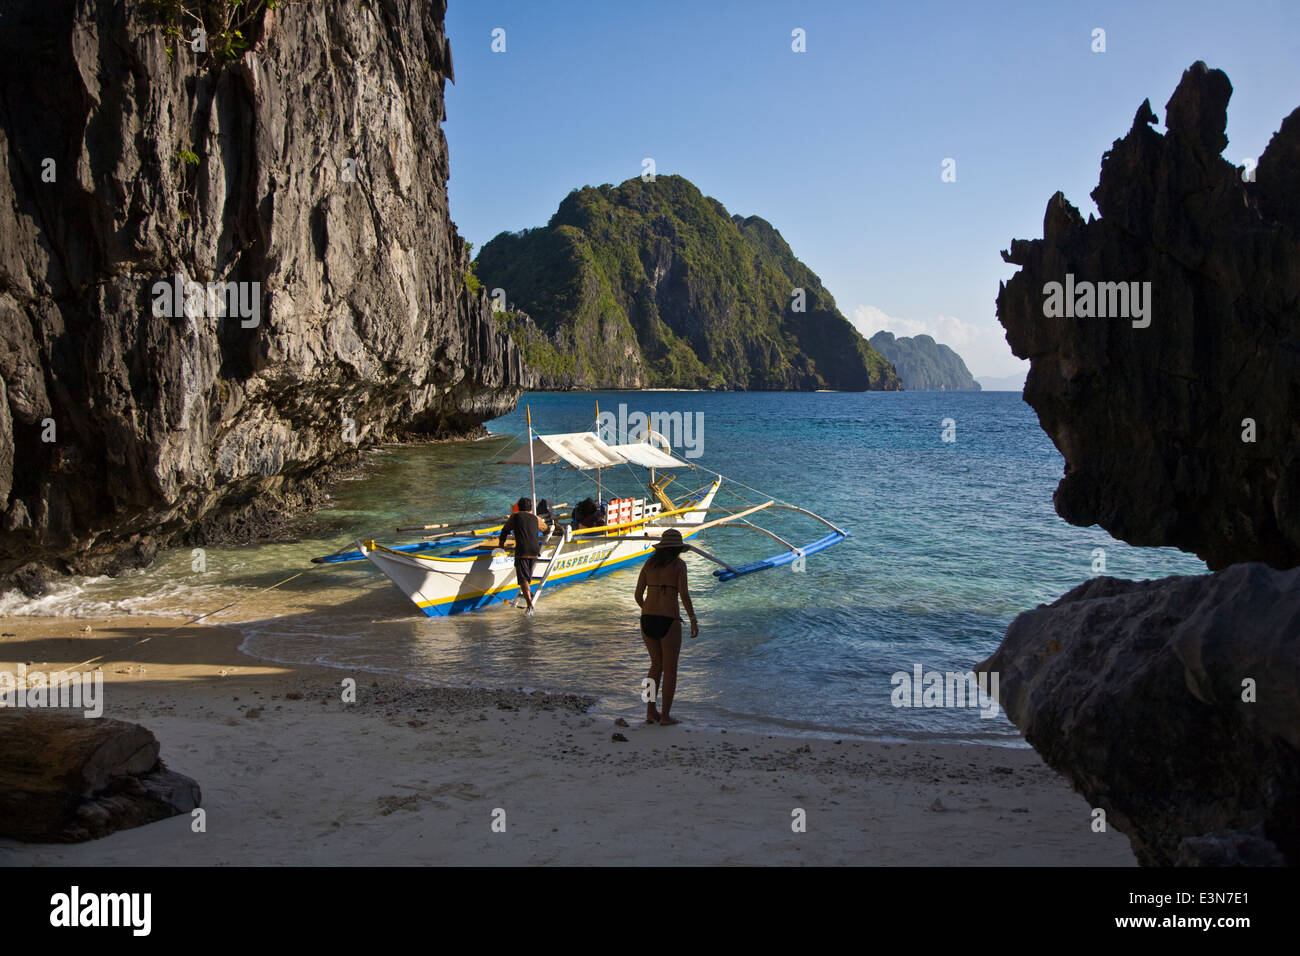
<point x="950" y="540"/>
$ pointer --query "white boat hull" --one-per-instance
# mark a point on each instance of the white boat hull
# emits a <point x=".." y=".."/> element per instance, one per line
<point x="443" y="585"/>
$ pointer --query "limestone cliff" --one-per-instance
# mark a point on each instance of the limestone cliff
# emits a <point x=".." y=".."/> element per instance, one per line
<point x="308" y="169"/>
<point x="1172" y="705"/>
<point x="1181" y="427"/>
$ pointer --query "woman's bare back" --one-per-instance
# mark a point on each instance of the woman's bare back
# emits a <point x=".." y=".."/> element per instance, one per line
<point x="661" y="587"/>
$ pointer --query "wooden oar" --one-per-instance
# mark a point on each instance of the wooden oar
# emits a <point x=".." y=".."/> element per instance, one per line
<point x="444" y="534"/>
<point x="445" y="524"/>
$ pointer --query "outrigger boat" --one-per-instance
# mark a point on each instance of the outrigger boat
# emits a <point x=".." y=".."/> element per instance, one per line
<point x="461" y="570"/>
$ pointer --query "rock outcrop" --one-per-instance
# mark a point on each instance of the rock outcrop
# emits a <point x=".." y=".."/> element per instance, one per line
<point x="65" y="778"/>
<point x="923" y="364"/>
<point x="309" y="170"/>
<point x="654" y="284"/>
<point x="1174" y="705"/>
<point x="1184" y="431"/>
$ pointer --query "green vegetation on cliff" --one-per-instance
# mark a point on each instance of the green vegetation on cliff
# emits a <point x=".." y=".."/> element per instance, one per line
<point x="653" y="284"/>
<point x="924" y="364"/>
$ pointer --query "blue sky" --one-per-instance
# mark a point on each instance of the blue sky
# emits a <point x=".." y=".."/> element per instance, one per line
<point x="840" y="147"/>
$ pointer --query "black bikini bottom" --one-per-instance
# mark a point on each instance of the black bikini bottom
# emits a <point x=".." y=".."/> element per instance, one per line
<point x="656" y="626"/>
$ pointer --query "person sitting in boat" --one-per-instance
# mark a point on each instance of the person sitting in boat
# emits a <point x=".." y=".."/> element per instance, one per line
<point x="663" y="576"/>
<point x="544" y="514"/>
<point x="526" y="527"/>
<point x="585" y="515"/>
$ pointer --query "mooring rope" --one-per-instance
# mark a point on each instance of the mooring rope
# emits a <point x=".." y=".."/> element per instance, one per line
<point x="225" y="607"/>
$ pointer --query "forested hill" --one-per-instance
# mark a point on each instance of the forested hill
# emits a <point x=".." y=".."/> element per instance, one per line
<point x="924" y="364"/>
<point x="653" y="284"/>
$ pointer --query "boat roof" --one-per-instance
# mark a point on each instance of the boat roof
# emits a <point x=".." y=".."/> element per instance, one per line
<point x="587" y="450"/>
<point x="648" y="456"/>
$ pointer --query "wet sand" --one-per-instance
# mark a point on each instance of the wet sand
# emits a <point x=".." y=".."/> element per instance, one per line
<point x="410" y="774"/>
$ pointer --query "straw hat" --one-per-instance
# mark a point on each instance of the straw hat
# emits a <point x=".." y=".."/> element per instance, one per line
<point x="672" y="538"/>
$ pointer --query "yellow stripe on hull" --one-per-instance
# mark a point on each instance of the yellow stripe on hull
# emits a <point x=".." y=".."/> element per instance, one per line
<point x="511" y="587"/>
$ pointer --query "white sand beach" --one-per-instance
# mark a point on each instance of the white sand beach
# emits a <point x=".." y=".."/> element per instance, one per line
<point x="411" y="774"/>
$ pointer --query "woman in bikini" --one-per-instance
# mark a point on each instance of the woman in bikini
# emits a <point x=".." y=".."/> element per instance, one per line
<point x="662" y="582"/>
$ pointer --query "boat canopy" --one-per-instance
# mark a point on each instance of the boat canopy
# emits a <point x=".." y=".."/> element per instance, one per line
<point x="587" y="450"/>
<point x="648" y="456"/>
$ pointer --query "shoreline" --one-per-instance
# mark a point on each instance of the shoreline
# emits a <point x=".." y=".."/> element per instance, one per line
<point x="758" y="724"/>
<point x="412" y="773"/>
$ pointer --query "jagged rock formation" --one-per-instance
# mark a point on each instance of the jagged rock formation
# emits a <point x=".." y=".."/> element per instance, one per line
<point x="1174" y="705"/>
<point x="314" y="165"/>
<point x="925" y="365"/>
<point x="64" y="778"/>
<point x="654" y="284"/>
<point x="1136" y="692"/>
<point x="1151" y="419"/>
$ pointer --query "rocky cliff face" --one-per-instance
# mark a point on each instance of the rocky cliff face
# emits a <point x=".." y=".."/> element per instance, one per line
<point x="654" y="284"/>
<point x="1184" y="431"/>
<point x="308" y="170"/>
<point x="924" y="364"/>
<point x="1172" y="705"/>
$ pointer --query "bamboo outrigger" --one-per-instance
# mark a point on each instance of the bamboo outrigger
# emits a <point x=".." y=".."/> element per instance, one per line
<point x="457" y="571"/>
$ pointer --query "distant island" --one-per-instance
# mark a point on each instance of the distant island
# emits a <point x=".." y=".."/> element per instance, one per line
<point x="924" y="364"/>
<point x="653" y="284"/>
<point x="1002" y="383"/>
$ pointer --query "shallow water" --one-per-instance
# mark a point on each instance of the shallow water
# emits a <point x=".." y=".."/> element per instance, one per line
<point x="950" y="540"/>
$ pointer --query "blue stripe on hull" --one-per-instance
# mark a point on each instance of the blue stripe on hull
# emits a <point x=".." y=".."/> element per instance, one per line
<point x="509" y="594"/>
<point x="346" y="556"/>
<point x="785" y="557"/>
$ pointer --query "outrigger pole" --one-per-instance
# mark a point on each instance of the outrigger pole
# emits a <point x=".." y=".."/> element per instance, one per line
<point x="532" y="471"/>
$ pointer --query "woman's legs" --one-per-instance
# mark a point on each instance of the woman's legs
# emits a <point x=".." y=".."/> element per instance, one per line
<point x="656" y="674"/>
<point x="672" y="647"/>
